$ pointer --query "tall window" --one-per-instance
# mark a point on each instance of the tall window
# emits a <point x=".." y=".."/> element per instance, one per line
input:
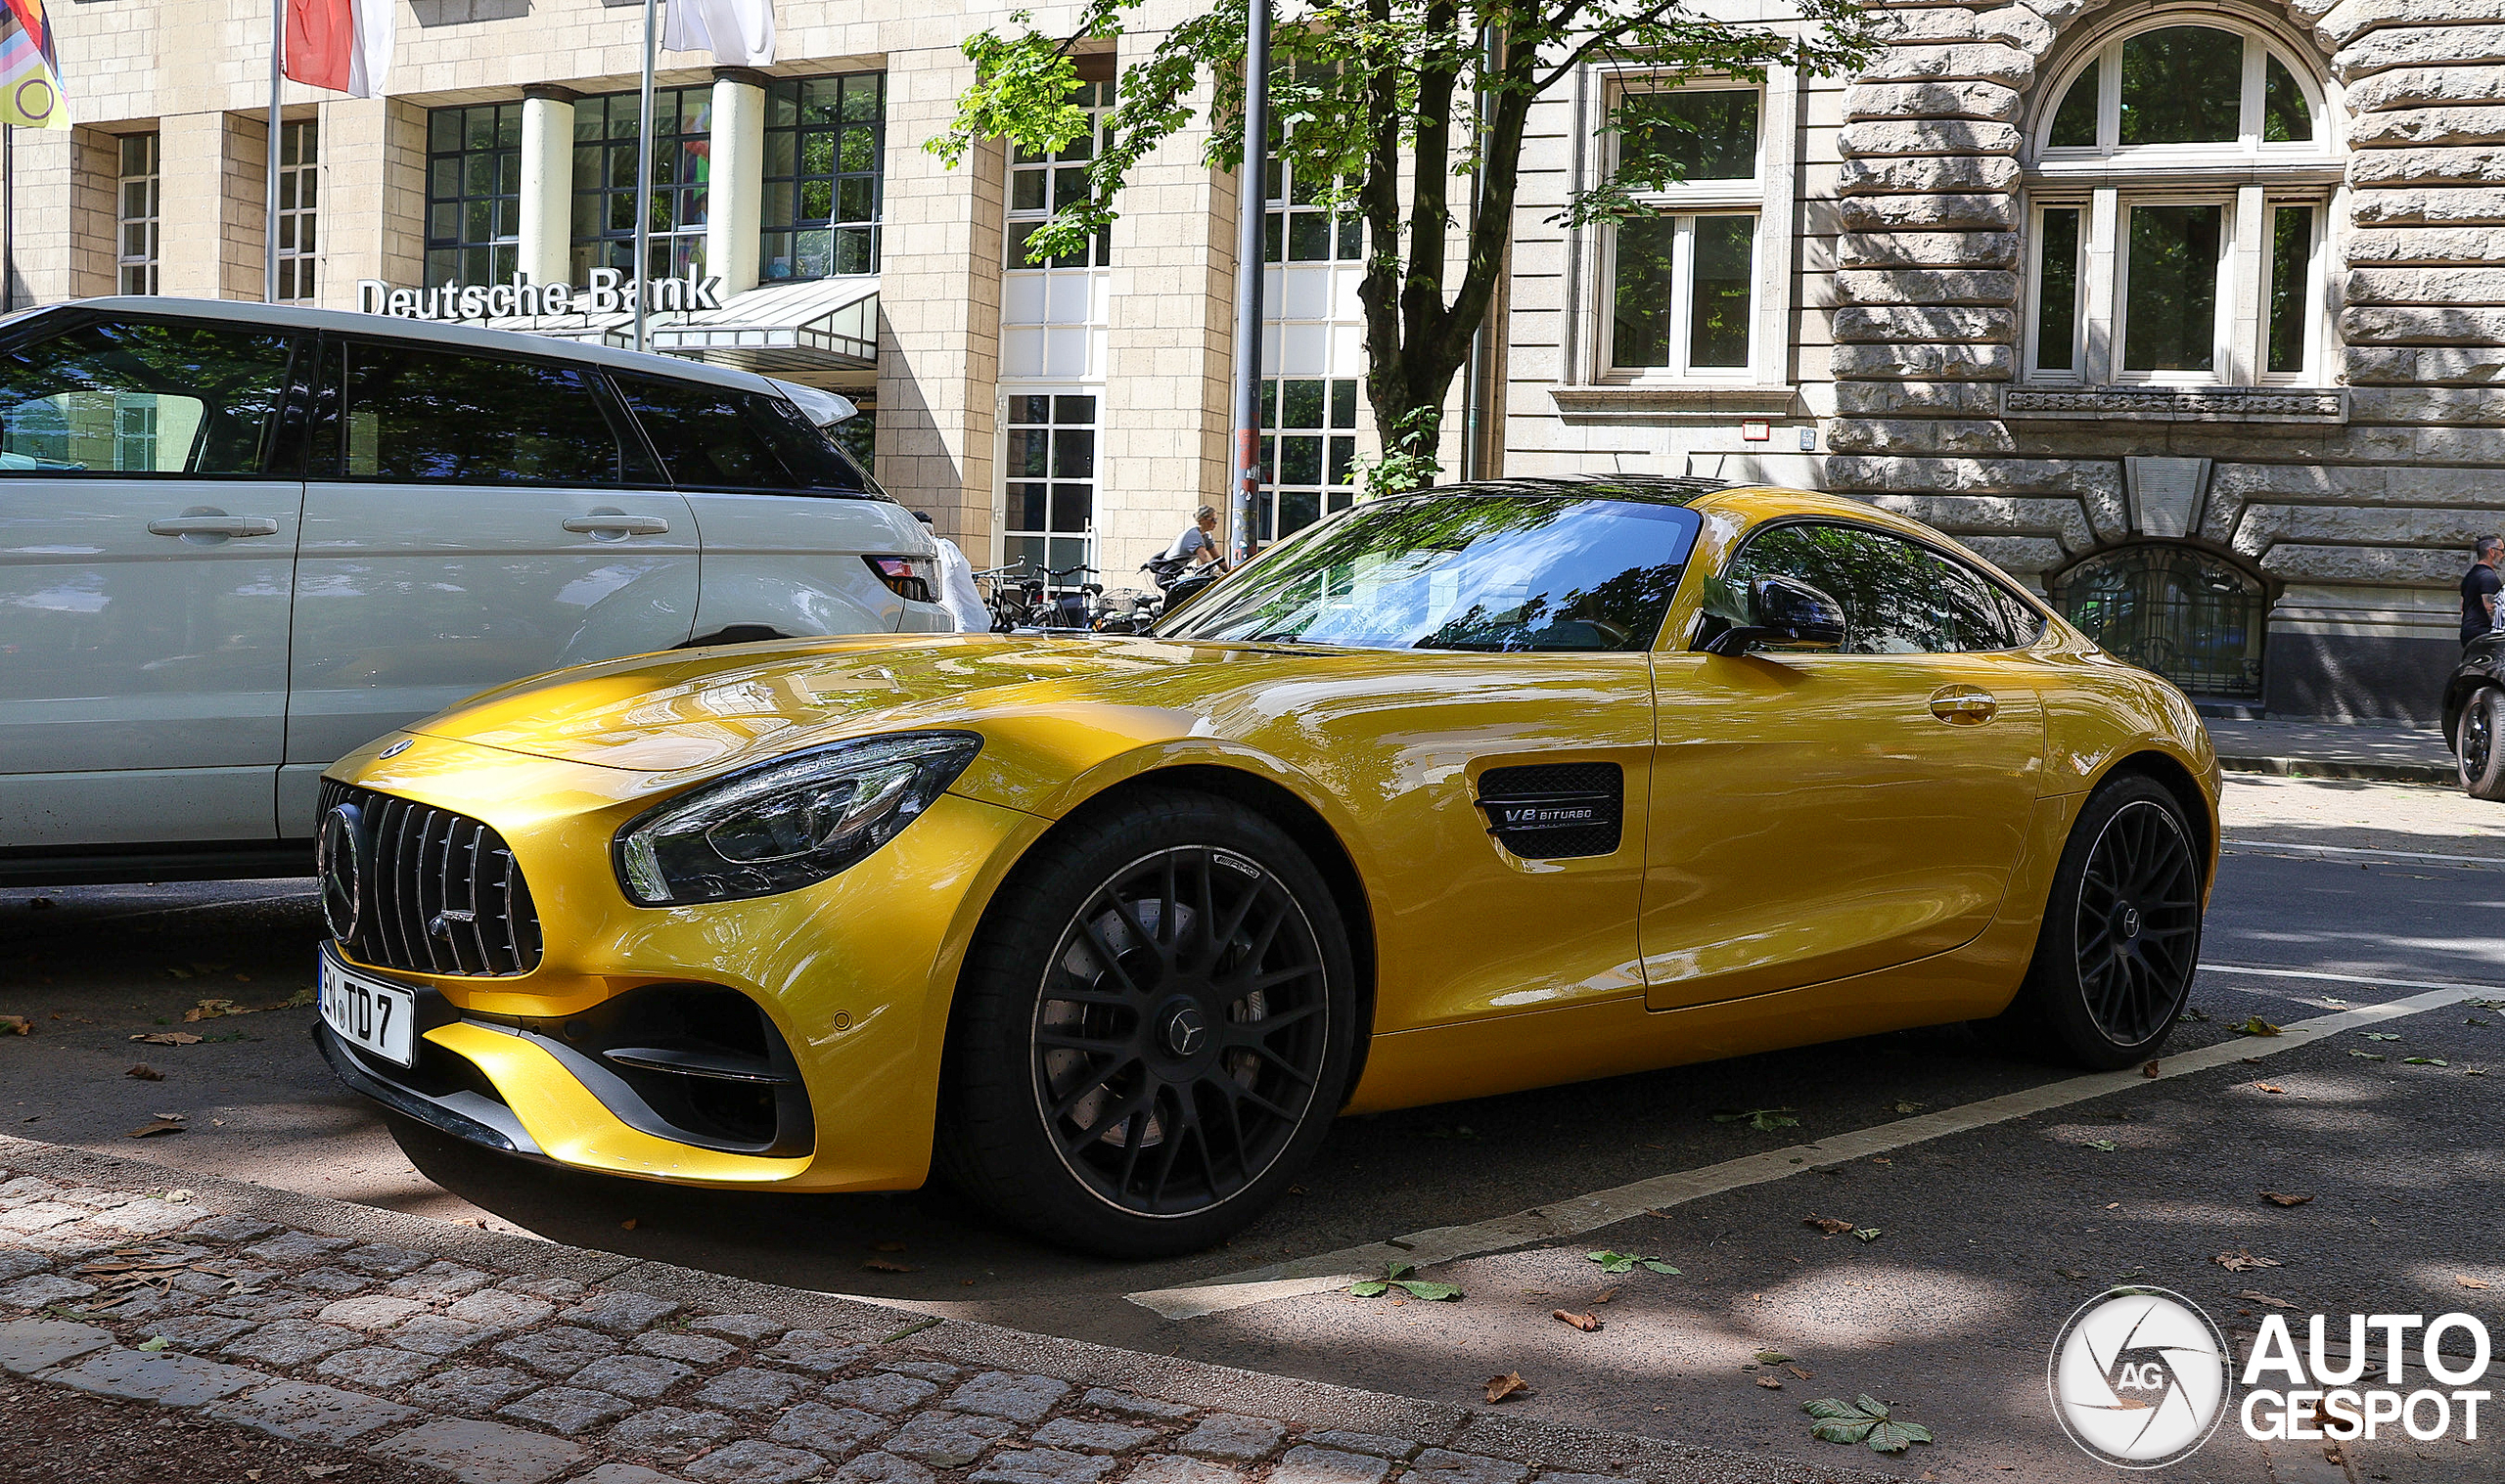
<point x="2180" y="190"/>
<point x="473" y="194"/>
<point x="604" y="135"/>
<point x="136" y="235"/>
<point x="825" y="142"/>
<point x="1041" y="184"/>
<point x="1049" y="454"/>
<point x="1682" y="281"/>
<point x="1308" y="453"/>
<point x="1298" y="229"/>
<point x="300" y="185"/>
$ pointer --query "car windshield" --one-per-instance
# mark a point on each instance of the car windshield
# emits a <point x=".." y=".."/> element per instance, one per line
<point x="1461" y="570"/>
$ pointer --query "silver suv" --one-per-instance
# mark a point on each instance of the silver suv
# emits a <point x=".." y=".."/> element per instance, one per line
<point x="236" y="541"/>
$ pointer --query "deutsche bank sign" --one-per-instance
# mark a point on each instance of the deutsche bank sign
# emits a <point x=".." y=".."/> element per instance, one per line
<point x="610" y="291"/>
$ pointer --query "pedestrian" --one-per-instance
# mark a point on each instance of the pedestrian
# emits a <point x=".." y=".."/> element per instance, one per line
<point x="2478" y="589"/>
<point x="1197" y="547"/>
<point x="957" y="591"/>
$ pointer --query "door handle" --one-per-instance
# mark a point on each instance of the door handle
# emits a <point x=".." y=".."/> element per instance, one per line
<point x="613" y="523"/>
<point x="214" y="524"/>
<point x="1963" y="706"/>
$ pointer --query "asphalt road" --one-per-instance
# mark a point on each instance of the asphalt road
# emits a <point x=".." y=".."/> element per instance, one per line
<point x="1990" y="1234"/>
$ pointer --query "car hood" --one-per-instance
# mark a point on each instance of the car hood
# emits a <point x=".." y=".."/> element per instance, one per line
<point x="702" y="710"/>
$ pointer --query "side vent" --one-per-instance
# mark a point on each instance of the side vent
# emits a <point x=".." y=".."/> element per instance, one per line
<point x="1553" y="811"/>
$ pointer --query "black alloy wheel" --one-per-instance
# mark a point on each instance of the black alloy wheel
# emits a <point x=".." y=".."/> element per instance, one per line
<point x="2482" y="767"/>
<point x="1155" y="1025"/>
<point x="2121" y="937"/>
<point x="1180" y="1031"/>
<point x="2139" y="921"/>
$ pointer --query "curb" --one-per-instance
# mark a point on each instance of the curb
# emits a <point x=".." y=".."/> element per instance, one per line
<point x="2340" y="767"/>
<point x="1541" y="1444"/>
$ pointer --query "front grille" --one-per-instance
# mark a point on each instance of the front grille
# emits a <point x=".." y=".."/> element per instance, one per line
<point x="438" y="892"/>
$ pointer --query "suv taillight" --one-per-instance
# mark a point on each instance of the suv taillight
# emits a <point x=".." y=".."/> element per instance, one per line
<point x="908" y="577"/>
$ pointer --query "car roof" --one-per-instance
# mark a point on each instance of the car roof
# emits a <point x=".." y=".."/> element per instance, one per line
<point x="1656" y="489"/>
<point x="431" y="333"/>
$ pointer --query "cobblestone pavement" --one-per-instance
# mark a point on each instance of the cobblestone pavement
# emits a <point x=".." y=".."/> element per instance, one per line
<point x="510" y="1362"/>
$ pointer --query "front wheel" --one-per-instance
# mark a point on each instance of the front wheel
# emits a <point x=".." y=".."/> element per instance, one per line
<point x="2475" y="735"/>
<point x="1153" y="1030"/>
<point x="2121" y="937"/>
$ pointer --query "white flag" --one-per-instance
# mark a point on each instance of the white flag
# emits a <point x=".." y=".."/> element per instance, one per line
<point x="737" y="32"/>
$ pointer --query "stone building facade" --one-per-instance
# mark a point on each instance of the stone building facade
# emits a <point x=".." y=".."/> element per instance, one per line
<point x="2186" y="311"/>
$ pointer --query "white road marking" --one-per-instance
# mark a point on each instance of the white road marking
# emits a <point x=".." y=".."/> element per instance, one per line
<point x="2353" y="852"/>
<point x="2316" y="973"/>
<point x="1578" y="1214"/>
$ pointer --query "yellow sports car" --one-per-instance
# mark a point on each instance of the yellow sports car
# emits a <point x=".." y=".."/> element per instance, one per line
<point x="1456" y="794"/>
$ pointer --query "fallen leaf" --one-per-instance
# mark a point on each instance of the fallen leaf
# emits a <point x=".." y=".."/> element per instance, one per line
<point x="2423" y="1062"/>
<point x="887" y="1247"/>
<point x="1799" y="1374"/>
<point x="1771" y="1357"/>
<point x="150" y="1130"/>
<point x="2268" y="1087"/>
<point x="325" y="1470"/>
<point x="1500" y="1387"/>
<point x="1764" y="1120"/>
<point x="2369" y="1056"/>
<point x="628" y="1225"/>
<point x="1863" y="1419"/>
<point x="2071" y="1273"/>
<point x="1831" y="1225"/>
<point x="2278" y="1200"/>
<point x="2470" y="1283"/>
<point x="2192" y="1014"/>
<point x="1911" y="1107"/>
<point x="1769" y="1383"/>
<point x="2381" y="1035"/>
<point x="1588" y="1322"/>
<point x="888" y="1265"/>
<point x="2148" y="1070"/>
<point x="2257" y="1026"/>
<point x="1604" y="1295"/>
<point x="2106" y="1145"/>
<point x="16" y="1026"/>
<point x="1865" y="1233"/>
<point x="168" y="1038"/>
<point x="1626" y="1262"/>
<point x="2240" y="1261"/>
<point x="2264" y="1298"/>
<point x="145" y="1073"/>
<point x="159" y="1343"/>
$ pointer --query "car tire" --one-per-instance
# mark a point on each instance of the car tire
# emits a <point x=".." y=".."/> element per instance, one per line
<point x="2479" y="744"/>
<point x="1108" y="1086"/>
<point x="2120" y="936"/>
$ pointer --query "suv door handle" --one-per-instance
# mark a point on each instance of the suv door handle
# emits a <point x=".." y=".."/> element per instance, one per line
<point x="1963" y="706"/>
<point x="214" y="524"/>
<point x="615" y="523"/>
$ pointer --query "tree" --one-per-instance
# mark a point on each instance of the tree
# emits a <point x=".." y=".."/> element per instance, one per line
<point x="1380" y="106"/>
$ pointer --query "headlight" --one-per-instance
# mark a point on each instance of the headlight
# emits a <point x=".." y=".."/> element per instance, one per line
<point x="789" y="823"/>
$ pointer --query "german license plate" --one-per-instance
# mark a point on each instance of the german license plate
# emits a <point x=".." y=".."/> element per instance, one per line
<point x="379" y="1017"/>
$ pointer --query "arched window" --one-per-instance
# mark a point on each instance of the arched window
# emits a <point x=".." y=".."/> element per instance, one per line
<point x="2187" y="613"/>
<point x="2182" y="169"/>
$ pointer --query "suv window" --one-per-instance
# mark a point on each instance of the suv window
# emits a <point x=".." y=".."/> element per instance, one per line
<point x="1898" y="597"/>
<point x="426" y="416"/>
<point x="142" y="397"/>
<point x="723" y="438"/>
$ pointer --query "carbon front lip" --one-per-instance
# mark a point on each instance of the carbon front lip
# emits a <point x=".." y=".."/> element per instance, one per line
<point x="435" y="1112"/>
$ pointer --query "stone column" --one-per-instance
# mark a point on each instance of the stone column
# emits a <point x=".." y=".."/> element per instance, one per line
<point x="191" y="205"/>
<point x="379" y="233"/>
<point x="63" y="240"/>
<point x="547" y="183"/>
<point x="938" y="304"/>
<point x="736" y="200"/>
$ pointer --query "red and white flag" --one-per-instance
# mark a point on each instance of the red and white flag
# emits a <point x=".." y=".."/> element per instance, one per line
<point x="344" y="45"/>
<point x="737" y="32"/>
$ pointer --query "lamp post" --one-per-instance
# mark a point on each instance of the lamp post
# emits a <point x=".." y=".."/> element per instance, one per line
<point x="1254" y="185"/>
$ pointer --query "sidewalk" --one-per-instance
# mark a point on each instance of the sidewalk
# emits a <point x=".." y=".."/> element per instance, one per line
<point x="498" y="1359"/>
<point x="2389" y="752"/>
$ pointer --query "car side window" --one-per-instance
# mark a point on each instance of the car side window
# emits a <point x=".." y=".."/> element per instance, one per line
<point x="403" y="414"/>
<point x="2026" y="624"/>
<point x="1898" y="598"/>
<point x="724" y="438"/>
<point x="142" y="397"/>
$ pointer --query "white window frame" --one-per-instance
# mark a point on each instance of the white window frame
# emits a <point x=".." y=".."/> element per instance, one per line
<point x="1001" y="530"/>
<point x="1766" y="194"/>
<point x="2250" y="176"/>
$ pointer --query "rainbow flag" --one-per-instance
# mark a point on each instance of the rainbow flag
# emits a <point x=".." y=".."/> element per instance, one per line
<point x="29" y="69"/>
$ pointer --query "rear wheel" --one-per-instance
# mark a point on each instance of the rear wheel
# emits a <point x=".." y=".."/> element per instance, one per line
<point x="2476" y="750"/>
<point x="2120" y="938"/>
<point x="1153" y="1031"/>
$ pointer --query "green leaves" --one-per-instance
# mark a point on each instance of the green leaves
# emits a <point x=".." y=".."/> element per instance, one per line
<point x="2257" y="1026"/>
<point x="2107" y="1146"/>
<point x="1766" y="1121"/>
<point x="1864" y="1419"/>
<point x="1627" y="1262"/>
<point x="2381" y="1035"/>
<point x="2423" y="1062"/>
<point x="1395" y="1275"/>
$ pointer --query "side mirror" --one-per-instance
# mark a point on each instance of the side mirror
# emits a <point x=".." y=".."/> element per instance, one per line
<point x="1782" y="610"/>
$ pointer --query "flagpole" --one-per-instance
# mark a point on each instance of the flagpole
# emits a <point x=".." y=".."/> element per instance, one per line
<point x="644" y="178"/>
<point x="269" y="219"/>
